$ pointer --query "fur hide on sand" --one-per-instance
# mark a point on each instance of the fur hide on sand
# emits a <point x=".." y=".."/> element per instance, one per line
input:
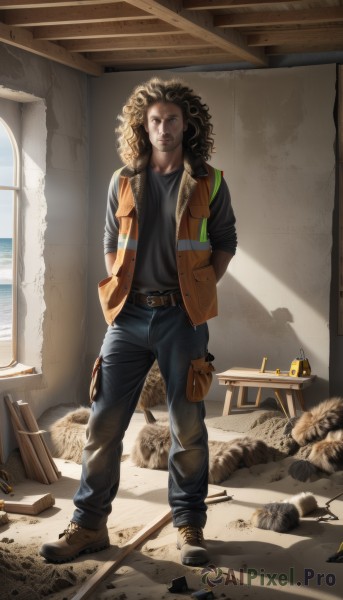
<point x="323" y="421"/>
<point x="154" y="389"/>
<point x="316" y="423"/>
<point x="151" y="448"/>
<point x="322" y="429"/>
<point x="284" y="516"/>
<point x="68" y="435"/>
<point x="151" y="451"/>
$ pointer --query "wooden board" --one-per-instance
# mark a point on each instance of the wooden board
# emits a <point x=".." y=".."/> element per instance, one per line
<point x="86" y="591"/>
<point x="32" y="465"/>
<point x="38" y="442"/>
<point x="27" y="505"/>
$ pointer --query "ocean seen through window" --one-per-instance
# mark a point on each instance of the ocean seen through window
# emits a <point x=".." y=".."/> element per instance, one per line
<point x="8" y="198"/>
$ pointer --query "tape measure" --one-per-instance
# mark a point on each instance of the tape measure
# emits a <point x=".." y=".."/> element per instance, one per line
<point x="300" y="366"/>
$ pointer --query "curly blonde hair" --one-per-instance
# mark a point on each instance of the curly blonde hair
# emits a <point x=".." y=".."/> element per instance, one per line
<point x="133" y="140"/>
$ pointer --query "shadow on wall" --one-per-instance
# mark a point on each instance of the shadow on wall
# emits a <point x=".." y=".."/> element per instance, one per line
<point x="268" y="334"/>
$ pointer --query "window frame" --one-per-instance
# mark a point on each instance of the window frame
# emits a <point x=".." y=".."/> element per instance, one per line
<point x="15" y="189"/>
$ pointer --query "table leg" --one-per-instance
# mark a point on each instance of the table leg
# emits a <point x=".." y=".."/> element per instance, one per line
<point x="258" y="398"/>
<point x="228" y="400"/>
<point x="242" y="396"/>
<point x="279" y="398"/>
<point x="300" y="398"/>
<point x="290" y="403"/>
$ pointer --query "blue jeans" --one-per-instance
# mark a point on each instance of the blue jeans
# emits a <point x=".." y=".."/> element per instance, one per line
<point x="131" y="344"/>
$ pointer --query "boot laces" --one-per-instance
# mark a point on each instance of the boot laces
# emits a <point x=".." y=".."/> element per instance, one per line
<point x="71" y="529"/>
<point x="191" y="535"/>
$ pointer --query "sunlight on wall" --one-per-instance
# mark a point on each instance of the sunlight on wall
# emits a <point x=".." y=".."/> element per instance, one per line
<point x="309" y="325"/>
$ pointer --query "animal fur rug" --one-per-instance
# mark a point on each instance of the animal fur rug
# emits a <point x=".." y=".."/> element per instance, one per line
<point x="151" y="448"/>
<point x="321" y="431"/>
<point x="316" y="437"/>
<point x="68" y="434"/>
<point x="151" y="451"/>
<point x="286" y="515"/>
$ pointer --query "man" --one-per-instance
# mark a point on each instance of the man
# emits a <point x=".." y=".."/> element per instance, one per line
<point x="169" y="237"/>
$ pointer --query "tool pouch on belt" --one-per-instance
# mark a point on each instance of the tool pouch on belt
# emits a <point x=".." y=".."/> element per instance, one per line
<point x="199" y="378"/>
<point x="95" y="379"/>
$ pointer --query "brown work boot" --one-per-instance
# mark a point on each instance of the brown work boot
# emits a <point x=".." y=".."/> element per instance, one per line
<point x="73" y="541"/>
<point x="190" y="541"/>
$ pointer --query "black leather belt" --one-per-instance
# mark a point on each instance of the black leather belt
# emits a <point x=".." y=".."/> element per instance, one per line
<point x="155" y="301"/>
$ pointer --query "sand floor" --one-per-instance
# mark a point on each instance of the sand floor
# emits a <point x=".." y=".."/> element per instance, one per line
<point x="246" y="562"/>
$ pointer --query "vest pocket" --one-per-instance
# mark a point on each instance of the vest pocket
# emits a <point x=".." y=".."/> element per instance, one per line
<point x="205" y="285"/>
<point x="199" y="211"/>
<point x="199" y="379"/>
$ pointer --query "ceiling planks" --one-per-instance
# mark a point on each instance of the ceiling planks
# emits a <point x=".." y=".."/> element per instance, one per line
<point x="95" y="35"/>
<point x="23" y="39"/>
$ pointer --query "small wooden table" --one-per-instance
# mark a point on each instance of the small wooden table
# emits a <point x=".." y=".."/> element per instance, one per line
<point x="242" y="379"/>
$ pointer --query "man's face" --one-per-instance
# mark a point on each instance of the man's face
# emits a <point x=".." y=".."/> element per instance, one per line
<point x="165" y="126"/>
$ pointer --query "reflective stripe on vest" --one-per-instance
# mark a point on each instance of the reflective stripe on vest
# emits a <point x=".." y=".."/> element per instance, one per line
<point x="217" y="181"/>
<point x="203" y="242"/>
<point x="126" y="243"/>
<point x="193" y="245"/>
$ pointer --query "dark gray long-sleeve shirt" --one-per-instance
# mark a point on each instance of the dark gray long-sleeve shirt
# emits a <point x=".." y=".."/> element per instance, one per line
<point x="156" y="259"/>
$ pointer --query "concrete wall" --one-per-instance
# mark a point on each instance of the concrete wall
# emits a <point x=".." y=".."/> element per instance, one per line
<point x="275" y="142"/>
<point x="53" y="230"/>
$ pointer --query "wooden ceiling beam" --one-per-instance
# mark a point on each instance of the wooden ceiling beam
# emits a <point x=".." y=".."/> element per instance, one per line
<point x="151" y="64"/>
<point x="222" y="4"/>
<point x="101" y="30"/>
<point x="315" y="37"/>
<point x="119" y="11"/>
<point x="305" y="17"/>
<point x="132" y="43"/>
<point x="20" y="38"/>
<point x="168" y="62"/>
<point x="155" y="53"/>
<point x="18" y="4"/>
<point x="201" y="25"/>
<point x="329" y="46"/>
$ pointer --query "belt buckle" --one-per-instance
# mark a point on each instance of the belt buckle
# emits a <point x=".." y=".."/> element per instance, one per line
<point x="151" y="301"/>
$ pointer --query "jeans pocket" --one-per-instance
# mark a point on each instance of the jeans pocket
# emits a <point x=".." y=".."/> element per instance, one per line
<point x="95" y="379"/>
<point x="199" y="379"/>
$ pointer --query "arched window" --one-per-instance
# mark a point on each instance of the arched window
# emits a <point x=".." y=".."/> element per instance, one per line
<point x="9" y="189"/>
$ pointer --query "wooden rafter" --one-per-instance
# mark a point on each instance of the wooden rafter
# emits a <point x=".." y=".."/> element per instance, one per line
<point x="221" y="4"/>
<point x="119" y="11"/>
<point x="21" y="38"/>
<point x="201" y="25"/>
<point x="100" y="30"/>
<point x="285" y="17"/>
<point x="182" y="54"/>
<point x="118" y="34"/>
<point x="108" y="45"/>
<point x="301" y="48"/>
<point x="18" y="4"/>
<point x="272" y="38"/>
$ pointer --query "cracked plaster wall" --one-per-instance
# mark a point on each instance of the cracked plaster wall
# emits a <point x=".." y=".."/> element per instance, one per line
<point x="53" y="228"/>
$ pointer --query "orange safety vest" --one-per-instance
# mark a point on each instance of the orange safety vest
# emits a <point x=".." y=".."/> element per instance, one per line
<point x="193" y="250"/>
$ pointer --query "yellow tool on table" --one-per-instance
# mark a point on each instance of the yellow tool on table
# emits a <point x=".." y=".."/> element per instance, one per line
<point x="300" y="366"/>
